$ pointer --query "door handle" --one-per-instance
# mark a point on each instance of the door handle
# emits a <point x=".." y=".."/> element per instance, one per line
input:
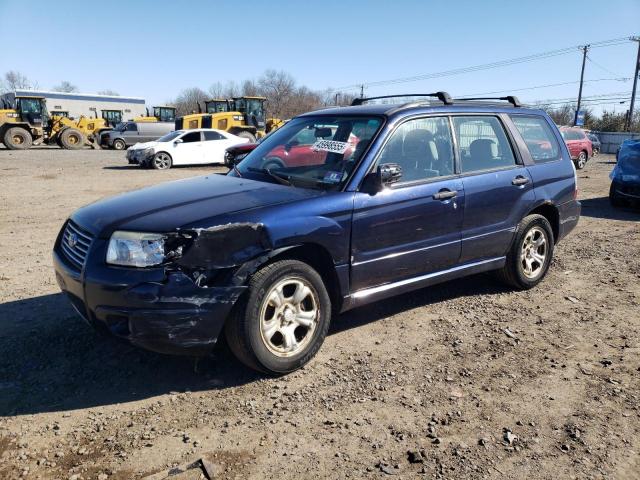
<point x="445" y="194"/>
<point x="520" y="180"/>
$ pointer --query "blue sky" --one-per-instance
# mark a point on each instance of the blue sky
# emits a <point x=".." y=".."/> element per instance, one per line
<point x="153" y="49"/>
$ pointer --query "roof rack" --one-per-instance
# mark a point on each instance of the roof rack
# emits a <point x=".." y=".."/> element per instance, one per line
<point x="444" y="97"/>
<point x="511" y="99"/>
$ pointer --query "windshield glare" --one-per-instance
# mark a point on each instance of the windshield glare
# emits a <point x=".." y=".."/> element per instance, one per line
<point x="312" y="152"/>
<point x="170" y="136"/>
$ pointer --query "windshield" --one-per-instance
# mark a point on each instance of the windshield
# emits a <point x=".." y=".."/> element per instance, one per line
<point x="312" y="152"/>
<point x="170" y="136"/>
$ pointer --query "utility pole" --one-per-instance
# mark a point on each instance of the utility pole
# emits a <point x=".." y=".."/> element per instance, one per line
<point x="362" y="91"/>
<point x="635" y="82"/>
<point x="337" y="95"/>
<point x="584" y="49"/>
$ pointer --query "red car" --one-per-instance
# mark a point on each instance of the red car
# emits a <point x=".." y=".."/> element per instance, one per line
<point x="579" y="145"/>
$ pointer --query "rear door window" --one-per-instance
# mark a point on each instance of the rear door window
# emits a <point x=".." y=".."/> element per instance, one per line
<point x="482" y="144"/>
<point x="210" y="135"/>
<point x="537" y="134"/>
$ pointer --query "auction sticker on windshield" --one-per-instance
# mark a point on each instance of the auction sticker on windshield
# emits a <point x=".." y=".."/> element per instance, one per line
<point x="332" y="146"/>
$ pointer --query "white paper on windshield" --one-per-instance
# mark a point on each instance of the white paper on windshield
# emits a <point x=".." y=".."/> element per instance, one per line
<point x="332" y="146"/>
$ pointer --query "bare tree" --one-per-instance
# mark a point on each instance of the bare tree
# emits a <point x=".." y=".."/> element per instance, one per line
<point x="113" y="93"/>
<point x="229" y="89"/>
<point x="65" y="86"/>
<point x="14" y="80"/>
<point x="188" y="100"/>
<point x="278" y="86"/>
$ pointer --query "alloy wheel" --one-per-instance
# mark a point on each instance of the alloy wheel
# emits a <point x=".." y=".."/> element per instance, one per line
<point x="289" y="316"/>
<point x="533" y="253"/>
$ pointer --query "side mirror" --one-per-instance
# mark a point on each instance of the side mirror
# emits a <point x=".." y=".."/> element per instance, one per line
<point x="178" y="141"/>
<point x="385" y="175"/>
<point x="388" y="174"/>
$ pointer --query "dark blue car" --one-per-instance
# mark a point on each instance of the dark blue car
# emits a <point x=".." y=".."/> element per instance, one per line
<point x="338" y="208"/>
<point x="625" y="177"/>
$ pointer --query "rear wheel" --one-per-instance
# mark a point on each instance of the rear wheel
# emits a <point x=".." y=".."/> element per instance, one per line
<point x="161" y="161"/>
<point x="72" y="139"/>
<point x="119" y="144"/>
<point x="582" y="160"/>
<point x="530" y="255"/>
<point x="283" y="322"/>
<point x="245" y="134"/>
<point x="272" y="162"/>
<point x="17" y="138"/>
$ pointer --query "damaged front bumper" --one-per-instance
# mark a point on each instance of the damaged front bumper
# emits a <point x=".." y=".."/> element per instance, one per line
<point x="160" y="310"/>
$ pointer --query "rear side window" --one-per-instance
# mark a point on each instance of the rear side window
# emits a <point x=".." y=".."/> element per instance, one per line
<point x="213" y="136"/>
<point x="191" y="137"/>
<point x="483" y="144"/>
<point x="537" y="134"/>
<point x="132" y="127"/>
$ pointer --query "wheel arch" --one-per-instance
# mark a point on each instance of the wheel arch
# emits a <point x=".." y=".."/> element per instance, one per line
<point x="549" y="211"/>
<point x="313" y="254"/>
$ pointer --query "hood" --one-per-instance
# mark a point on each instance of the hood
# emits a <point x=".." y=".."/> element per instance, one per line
<point x="183" y="203"/>
<point x="142" y="146"/>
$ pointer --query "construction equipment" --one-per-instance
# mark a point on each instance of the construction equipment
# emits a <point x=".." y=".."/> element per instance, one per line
<point x="24" y="121"/>
<point x="160" y="114"/>
<point x="241" y="116"/>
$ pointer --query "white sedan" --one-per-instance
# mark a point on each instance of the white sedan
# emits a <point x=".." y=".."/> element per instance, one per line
<point x="184" y="147"/>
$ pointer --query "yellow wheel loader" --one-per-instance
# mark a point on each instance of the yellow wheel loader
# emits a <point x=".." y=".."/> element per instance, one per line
<point x="24" y="121"/>
<point x="160" y="114"/>
<point x="241" y="116"/>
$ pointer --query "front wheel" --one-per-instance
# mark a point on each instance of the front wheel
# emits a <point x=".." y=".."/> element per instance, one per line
<point x="283" y="321"/>
<point x="118" y="144"/>
<point x="530" y="255"/>
<point x="614" y="198"/>
<point x="161" y="161"/>
<point x="582" y="160"/>
<point x="244" y="134"/>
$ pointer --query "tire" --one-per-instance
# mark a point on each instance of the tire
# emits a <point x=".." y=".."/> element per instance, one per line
<point x="72" y="139"/>
<point x="245" y="134"/>
<point x="522" y="251"/>
<point x="162" y="161"/>
<point x="118" y="144"/>
<point x="17" y="138"/>
<point x="266" y="336"/>
<point x="581" y="161"/>
<point x="273" y="162"/>
<point x="614" y="198"/>
<point x="596" y="151"/>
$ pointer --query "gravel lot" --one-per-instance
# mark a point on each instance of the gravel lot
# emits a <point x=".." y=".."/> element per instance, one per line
<point x="463" y="380"/>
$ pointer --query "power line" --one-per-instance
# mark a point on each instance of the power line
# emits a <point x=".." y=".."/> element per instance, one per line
<point x="487" y="66"/>
<point x="548" y="85"/>
<point x="600" y="66"/>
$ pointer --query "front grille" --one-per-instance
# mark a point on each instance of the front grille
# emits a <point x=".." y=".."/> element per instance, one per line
<point x="75" y="244"/>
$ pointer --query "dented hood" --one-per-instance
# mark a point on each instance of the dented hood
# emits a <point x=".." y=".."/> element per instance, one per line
<point x="183" y="203"/>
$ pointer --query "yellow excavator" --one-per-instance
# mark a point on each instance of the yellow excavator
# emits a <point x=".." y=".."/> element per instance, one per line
<point x="24" y="121"/>
<point x="160" y="114"/>
<point x="241" y="116"/>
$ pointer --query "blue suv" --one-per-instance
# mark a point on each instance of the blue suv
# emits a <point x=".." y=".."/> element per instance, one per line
<point x="338" y="208"/>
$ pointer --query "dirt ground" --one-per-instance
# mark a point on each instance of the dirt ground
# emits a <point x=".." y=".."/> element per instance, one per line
<point x="463" y="380"/>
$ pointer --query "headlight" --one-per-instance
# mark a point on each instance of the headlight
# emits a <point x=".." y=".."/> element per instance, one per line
<point x="148" y="151"/>
<point x="136" y="249"/>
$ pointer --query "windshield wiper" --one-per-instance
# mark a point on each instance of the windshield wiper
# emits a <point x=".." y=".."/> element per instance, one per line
<point x="275" y="176"/>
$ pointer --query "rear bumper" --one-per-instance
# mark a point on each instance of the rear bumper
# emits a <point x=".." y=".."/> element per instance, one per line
<point x="166" y="313"/>
<point x="569" y="215"/>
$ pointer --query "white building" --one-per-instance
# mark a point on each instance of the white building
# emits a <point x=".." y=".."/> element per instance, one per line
<point x="111" y="107"/>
